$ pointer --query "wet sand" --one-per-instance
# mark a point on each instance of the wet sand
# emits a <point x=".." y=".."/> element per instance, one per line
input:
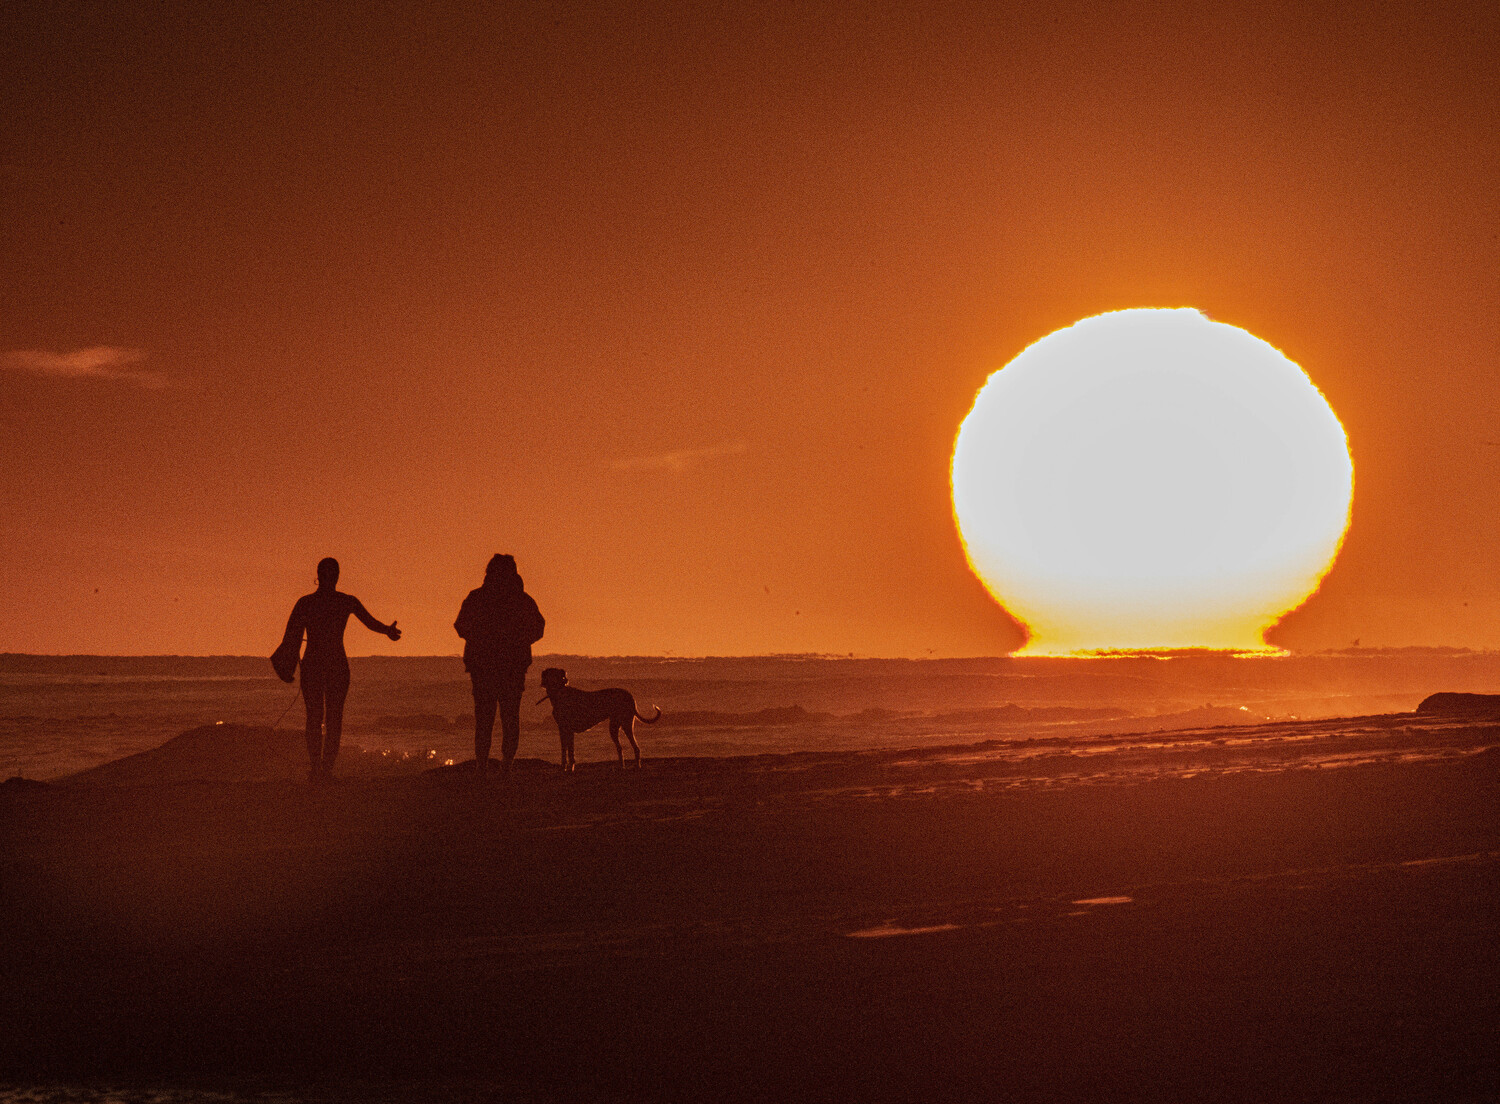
<point x="959" y="923"/>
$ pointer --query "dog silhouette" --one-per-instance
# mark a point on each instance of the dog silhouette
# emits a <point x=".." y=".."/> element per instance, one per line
<point x="575" y="710"/>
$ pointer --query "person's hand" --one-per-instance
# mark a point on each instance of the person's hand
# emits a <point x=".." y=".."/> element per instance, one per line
<point x="393" y="632"/>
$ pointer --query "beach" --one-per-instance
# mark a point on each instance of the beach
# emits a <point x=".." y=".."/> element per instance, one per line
<point x="1006" y="488"/>
<point x="1301" y="910"/>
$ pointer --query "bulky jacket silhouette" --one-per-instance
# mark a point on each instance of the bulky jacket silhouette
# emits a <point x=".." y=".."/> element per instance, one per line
<point x="499" y="622"/>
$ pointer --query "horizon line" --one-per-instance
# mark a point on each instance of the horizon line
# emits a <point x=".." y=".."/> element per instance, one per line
<point x="1177" y="653"/>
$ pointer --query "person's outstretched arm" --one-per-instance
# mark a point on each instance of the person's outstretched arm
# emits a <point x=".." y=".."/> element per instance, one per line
<point x="374" y="625"/>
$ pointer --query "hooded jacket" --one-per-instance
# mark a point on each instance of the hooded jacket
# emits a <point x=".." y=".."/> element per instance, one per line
<point x="499" y="622"/>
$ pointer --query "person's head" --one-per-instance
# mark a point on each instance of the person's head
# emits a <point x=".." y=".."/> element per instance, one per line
<point x="328" y="573"/>
<point x="500" y="567"/>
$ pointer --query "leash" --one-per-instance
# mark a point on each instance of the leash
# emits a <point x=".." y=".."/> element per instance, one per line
<point x="288" y="708"/>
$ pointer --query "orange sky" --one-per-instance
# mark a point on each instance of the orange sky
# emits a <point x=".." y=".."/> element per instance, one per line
<point x="684" y="307"/>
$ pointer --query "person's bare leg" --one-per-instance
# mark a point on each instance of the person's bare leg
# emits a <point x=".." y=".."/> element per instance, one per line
<point x="484" y="731"/>
<point x="312" y="700"/>
<point x="333" y="723"/>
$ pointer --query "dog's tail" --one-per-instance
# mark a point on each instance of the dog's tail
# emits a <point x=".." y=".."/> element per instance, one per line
<point x="648" y="720"/>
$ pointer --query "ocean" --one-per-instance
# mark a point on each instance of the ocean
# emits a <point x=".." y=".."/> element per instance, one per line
<point x="62" y="714"/>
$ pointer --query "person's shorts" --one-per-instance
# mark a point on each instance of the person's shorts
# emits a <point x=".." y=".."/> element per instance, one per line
<point x="499" y="683"/>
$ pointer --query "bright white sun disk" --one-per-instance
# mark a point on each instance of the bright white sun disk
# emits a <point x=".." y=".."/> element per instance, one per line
<point x="1150" y="479"/>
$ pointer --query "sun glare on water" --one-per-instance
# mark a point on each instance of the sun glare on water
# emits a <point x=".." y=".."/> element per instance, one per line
<point x="1150" y="479"/>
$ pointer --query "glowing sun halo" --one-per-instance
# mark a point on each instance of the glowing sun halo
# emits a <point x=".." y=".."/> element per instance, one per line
<point x="1150" y="479"/>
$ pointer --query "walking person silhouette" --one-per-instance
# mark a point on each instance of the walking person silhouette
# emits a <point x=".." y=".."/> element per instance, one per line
<point x="322" y="615"/>
<point x="499" y="622"/>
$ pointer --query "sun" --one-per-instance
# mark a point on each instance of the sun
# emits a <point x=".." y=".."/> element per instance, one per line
<point x="1150" y="479"/>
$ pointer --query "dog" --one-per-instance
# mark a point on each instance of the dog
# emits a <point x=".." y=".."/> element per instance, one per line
<point x="575" y="710"/>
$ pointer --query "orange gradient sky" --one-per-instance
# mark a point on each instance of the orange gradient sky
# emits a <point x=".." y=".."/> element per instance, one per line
<point x="684" y="307"/>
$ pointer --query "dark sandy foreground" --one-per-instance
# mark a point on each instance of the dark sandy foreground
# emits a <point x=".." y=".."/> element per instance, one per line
<point x="882" y="926"/>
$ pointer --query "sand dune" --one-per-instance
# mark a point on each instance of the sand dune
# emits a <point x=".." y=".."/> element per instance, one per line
<point x="238" y="753"/>
<point x="1460" y="705"/>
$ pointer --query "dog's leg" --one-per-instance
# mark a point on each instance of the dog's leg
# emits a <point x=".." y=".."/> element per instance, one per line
<point x="562" y="739"/>
<point x="629" y="727"/>
<point x="614" y="734"/>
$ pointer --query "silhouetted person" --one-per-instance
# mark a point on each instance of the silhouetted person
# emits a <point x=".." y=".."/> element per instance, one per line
<point x="499" y="622"/>
<point x="325" y="668"/>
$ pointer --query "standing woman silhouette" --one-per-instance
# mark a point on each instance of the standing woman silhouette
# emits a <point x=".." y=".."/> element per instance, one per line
<point x="325" y="668"/>
<point x="499" y="622"/>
